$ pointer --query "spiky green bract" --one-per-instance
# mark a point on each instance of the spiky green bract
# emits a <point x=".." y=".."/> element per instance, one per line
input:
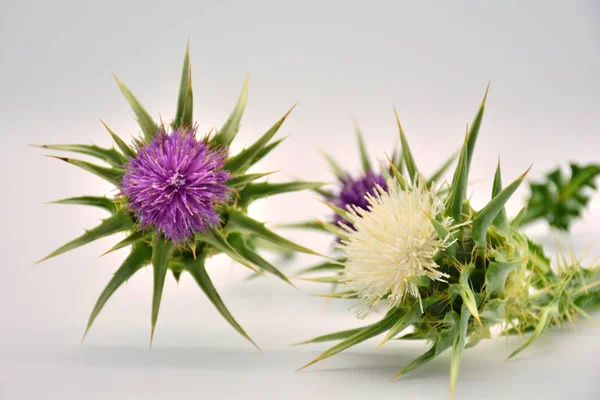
<point x="560" y="199"/>
<point x="491" y="269"/>
<point x="237" y="235"/>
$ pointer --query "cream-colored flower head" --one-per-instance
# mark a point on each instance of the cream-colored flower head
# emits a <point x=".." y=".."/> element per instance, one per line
<point x="392" y="241"/>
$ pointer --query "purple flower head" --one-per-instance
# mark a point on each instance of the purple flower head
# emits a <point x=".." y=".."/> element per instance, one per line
<point x="353" y="192"/>
<point x="174" y="184"/>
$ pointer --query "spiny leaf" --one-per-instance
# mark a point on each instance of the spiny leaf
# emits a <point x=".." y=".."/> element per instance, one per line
<point x="217" y="239"/>
<point x="362" y="335"/>
<point x="242" y="180"/>
<point x="333" y="336"/>
<point x="161" y="254"/>
<point x="139" y="256"/>
<point x="337" y="170"/>
<point x="364" y="155"/>
<point x="227" y="133"/>
<point x="466" y="293"/>
<point x="198" y="271"/>
<point x="459" y="344"/>
<point x="135" y="237"/>
<point x="266" y="150"/>
<point x="439" y="173"/>
<point x="458" y="190"/>
<point x="124" y="147"/>
<point x="110" y="156"/>
<point x="240" y="162"/>
<point x="96" y="201"/>
<point x="148" y="126"/>
<point x="240" y="222"/>
<point x="324" y="266"/>
<point x="113" y="224"/>
<point x="484" y="218"/>
<point x="501" y="220"/>
<point x="408" y="318"/>
<point x="184" y="113"/>
<point x="496" y="274"/>
<point x="474" y="131"/>
<point x="314" y="225"/>
<point x="112" y="175"/>
<point x="549" y="312"/>
<point x="255" y="191"/>
<point x="238" y="243"/>
<point x="409" y="160"/>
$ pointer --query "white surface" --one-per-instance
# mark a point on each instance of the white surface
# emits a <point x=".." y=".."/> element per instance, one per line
<point x="339" y="58"/>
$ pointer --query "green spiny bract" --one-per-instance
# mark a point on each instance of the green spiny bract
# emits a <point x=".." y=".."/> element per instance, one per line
<point x="487" y="273"/>
<point x="234" y="233"/>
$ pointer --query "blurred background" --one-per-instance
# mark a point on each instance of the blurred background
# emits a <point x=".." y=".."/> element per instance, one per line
<point x="340" y="60"/>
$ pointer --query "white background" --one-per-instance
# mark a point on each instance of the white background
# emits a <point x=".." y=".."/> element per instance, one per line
<point x="432" y="60"/>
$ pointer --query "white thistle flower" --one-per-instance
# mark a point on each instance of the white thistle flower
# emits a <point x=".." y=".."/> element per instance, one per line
<point x="392" y="241"/>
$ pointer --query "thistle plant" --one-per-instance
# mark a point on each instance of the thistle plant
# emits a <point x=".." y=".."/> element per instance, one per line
<point x="181" y="198"/>
<point x="443" y="271"/>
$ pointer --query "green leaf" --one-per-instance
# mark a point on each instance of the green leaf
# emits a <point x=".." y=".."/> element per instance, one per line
<point x="139" y="256"/>
<point x="112" y="175"/>
<point x="110" y="156"/>
<point x="459" y="344"/>
<point x="148" y="126"/>
<point x="198" y="271"/>
<point x="337" y="170"/>
<point x="484" y="218"/>
<point x="364" y="155"/>
<point x="162" y="251"/>
<point x="135" y="237"/>
<point x="439" y="173"/>
<point x="333" y="336"/>
<point x="124" y="147"/>
<point x="227" y="133"/>
<point x="545" y="318"/>
<point x="496" y="274"/>
<point x="262" y="153"/>
<point x="95" y="201"/>
<point x="409" y="160"/>
<point x="241" y="161"/>
<point x="185" y="101"/>
<point x="474" y="131"/>
<point x="408" y="318"/>
<point x="255" y="191"/>
<point x="466" y="293"/>
<point x="321" y="267"/>
<point x="242" y="180"/>
<point x="237" y="242"/>
<point x="458" y="189"/>
<point x="312" y="225"/>
<point x="113" y="224"/>
<point x="240" y="222"/>
<point x="560" y="199"/>
<point x="218" y="240"/>
<point x="362" y="335"/>
<point x="501" y="220"/>
<point x="444" y="233"/>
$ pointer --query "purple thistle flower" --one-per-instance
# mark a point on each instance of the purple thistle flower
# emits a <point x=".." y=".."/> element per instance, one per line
<point x="174" y="184"/>
<point x="353" y="192"/>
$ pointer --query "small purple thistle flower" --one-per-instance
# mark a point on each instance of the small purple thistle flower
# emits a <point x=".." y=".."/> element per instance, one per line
<point x="174" y="184"/>
<point x="353" y="192"/>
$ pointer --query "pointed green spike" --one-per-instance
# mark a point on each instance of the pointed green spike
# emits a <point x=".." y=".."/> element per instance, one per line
<point x="161" y="254"/>
<point x="459" y="345"/>
<point x="439" y="173"/>
<point x="549" y="312"/>
<point x="135" y="237"/>
<point x="112" y="175"/>
<point x="407" y="319"/>
<point x="334" y="336"/>
<point x="110" y="156"/>
<point x="337" y="170"/>
<point x="113" y="224"/>
<point x="148" y="126"/>
<point x="266" y="150"/>
<point x="364" y="155"/>
<point x="516" y="222"/>
<point x="474" y="131"/>
<point x="324" y="266"/>
<point x="501" y="220"/>
<point x="218" y="240"/>
<point x="241" y="161"/>
<point x="467" y="293"/>
<point x="458" y="190"/>
<point x="124" y="147"/>
<point x="362" y="335"/>
<point x="227" y="133"/>
<point x="198" y="271"/>
<point x="95" y="201"/>
<point x="139" y="256"/>
<point x="237" y="242"/>
<point x="255" y="191"/>
<point x="240" y="222"/>
<point x="242" y="180"/>
<point x="484" y="218"/>
<point x="184" y="113"/>
<point x="409" y="160"/>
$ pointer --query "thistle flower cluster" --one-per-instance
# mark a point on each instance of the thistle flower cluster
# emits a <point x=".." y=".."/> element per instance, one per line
<point x="182" y="199"/>
<point x="443" y="271"/>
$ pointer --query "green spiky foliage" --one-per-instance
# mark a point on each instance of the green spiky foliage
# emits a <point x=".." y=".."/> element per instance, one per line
<point x="238" y="235"/>
<point x="559" y="199"/>
<point x="496" y="276"/>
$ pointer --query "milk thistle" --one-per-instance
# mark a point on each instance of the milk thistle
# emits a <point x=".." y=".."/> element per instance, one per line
<point x="181" y="198"/>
